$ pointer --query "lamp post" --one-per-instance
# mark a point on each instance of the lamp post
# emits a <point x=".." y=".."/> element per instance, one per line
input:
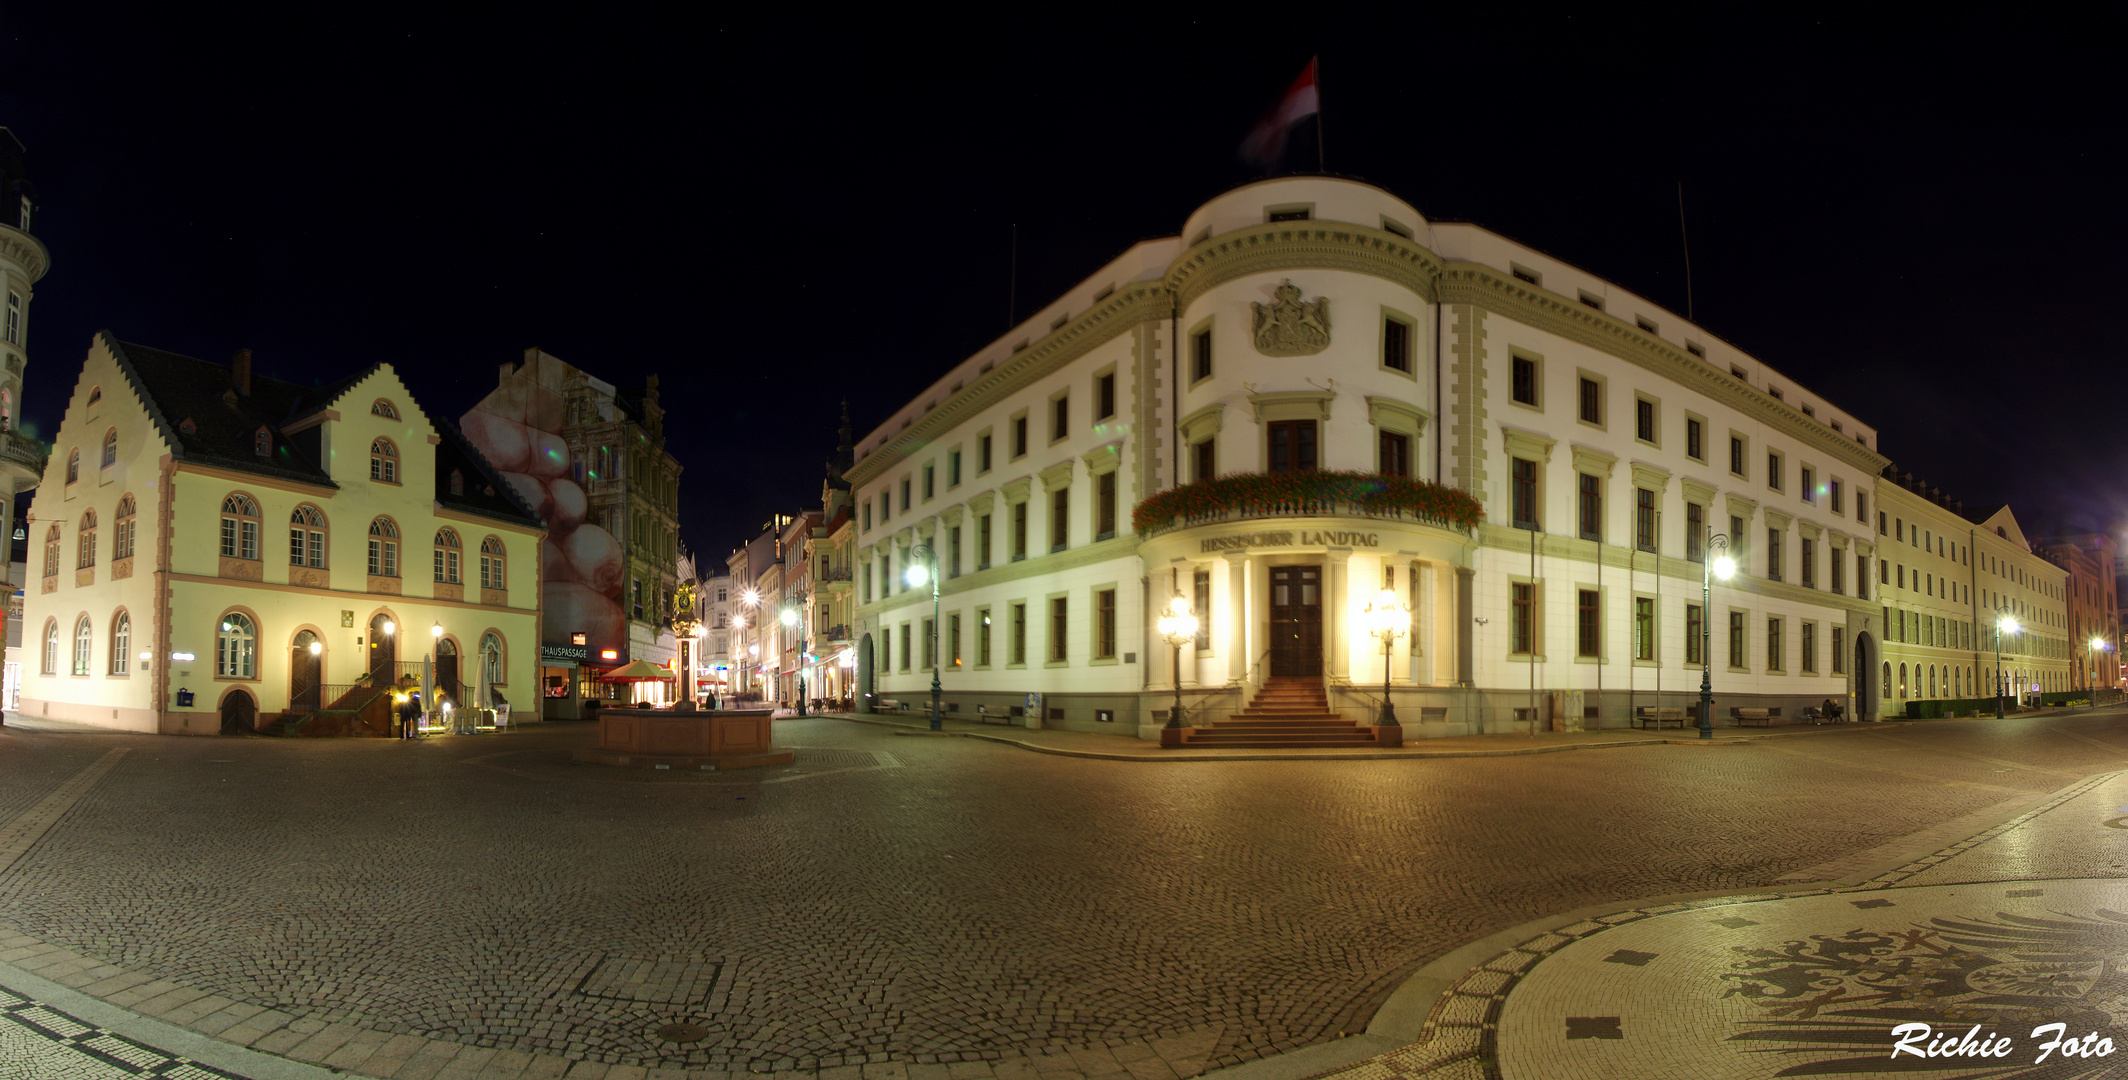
<point x="1178" y="624"/>
<point x="2098" y="645"/>
<point x="794" y="621"/>
<point x="1715" y="566"/>
<point x="2003" y="625"/>
<point x="923" y="563"/>
<point x="1388" y="617"/>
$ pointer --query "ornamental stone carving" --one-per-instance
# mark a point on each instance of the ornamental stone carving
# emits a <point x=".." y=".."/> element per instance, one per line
<point x="1290" y="326"/>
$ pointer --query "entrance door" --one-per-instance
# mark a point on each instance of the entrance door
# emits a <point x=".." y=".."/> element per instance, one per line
<point x="447" y="673"/>
<point x="383" y="652"/>
<point x="303" y="674"/>
<point x="1297" y="620"/>
<point x="239" y="713"/>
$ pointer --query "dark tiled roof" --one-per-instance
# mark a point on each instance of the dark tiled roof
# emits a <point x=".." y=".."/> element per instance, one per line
<point x="485" y="493"/>
<point x="179" y="388"/>
<point x="1979" y="515"/>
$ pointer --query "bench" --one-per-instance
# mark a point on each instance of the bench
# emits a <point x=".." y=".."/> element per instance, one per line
<point x="994" y="714"/>
<point x="1819" y="716"/>
<point x="1659" y="717"/>
<point x="1755" y="717"/>
<point x="891" y="705"/>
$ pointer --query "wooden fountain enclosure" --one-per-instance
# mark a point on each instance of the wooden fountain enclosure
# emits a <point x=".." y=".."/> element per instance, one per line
<point x="686" y="739"/>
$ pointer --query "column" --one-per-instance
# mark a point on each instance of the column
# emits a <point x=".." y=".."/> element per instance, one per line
<point x="1337" y="613"/>
<point x="1466" y="673"/>
<point x="1240" y="650"/>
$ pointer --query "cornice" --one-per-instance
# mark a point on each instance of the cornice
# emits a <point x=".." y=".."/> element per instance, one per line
<point x="1128" y="306"/>
<point x="1482" y="286"/>
<point x="24" y="250"/>
<point x="1291" y="245"/>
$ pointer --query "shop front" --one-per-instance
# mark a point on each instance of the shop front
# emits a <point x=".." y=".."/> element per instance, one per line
<point x="569" y="681"/>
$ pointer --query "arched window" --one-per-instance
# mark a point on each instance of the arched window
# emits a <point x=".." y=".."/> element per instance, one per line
<point x="122" y="529"/>
<point x="95" y="394"/>
<point x="383" y="548"/>
<point x="262" y="442"/>
<point x="84" y="640"/>
<point x="491" y="662"/>
<point x="447" y="556"/>
<point x="491" y="564"/>
<point x="73" y="466"/>
<point x="110" y="448"/>
<point x="306" y="537"/>
<point x="85" y="544"/>
<point x="121" y="643"/>
<point x="384" y="461"/>
<point x="240" y="527"/>
<point x="1932" y="680"/>
<point x="236" y="647"/>
<point x="1887" y="681"/>
<point x="51" y="551"/>
<point x="1902" y="680"/>
<point x="384" y="409"/>
<point x="51" y="647"/>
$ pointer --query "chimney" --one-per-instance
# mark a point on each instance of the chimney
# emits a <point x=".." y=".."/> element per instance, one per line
<point x="240" y="371"/>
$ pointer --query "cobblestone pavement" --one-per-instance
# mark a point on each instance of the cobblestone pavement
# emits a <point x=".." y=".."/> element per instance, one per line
<point x="891" y="907"/>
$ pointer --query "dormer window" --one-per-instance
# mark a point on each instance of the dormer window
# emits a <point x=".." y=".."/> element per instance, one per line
<point x="187" y="427"/>
<point x="262" y="442"/>
<point x="384" y="409"/>
<point x="457" y="482"/>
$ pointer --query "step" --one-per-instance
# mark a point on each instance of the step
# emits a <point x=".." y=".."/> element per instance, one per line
<point x="1308" y="714"/>
<point x="1277" y="744"/>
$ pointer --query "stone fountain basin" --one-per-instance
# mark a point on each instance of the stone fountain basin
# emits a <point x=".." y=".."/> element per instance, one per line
<point x="681" y="739"/>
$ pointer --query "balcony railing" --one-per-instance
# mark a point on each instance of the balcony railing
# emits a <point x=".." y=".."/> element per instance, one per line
<point x="833" y="575"/>
<point x="24" y="451"/>
<point x="836" y="633"/>
<point x="1254" y="496"/>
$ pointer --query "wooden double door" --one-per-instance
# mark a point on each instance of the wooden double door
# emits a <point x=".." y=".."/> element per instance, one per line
<point x="1296" y="621"/>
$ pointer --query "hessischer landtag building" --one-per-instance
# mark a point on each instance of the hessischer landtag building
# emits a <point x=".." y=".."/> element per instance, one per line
<point x="1312" y="406"/>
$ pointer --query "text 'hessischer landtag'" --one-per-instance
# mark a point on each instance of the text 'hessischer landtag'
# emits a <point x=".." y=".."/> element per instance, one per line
<point x="1284" y="538"/>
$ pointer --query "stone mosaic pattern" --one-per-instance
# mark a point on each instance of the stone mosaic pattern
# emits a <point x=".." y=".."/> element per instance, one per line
<point x="38" y="1042"/>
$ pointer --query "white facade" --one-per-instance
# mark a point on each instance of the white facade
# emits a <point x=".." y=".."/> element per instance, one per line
<point x="1346" y="333"/>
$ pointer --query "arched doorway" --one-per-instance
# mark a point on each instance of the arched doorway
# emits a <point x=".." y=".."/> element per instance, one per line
<point x="1866" y="707"/>
<point x="239" y="713"/>
<point x="864" y="673"/>
<point x="383" y="649"/>
<point x="447" y="673"/>
<point x="304" y="667"/>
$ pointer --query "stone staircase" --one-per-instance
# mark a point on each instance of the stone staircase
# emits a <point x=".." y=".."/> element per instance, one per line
<point x="1287" y="712"/>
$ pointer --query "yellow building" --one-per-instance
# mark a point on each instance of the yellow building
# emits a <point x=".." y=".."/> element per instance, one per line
<point x="189" y="610"/>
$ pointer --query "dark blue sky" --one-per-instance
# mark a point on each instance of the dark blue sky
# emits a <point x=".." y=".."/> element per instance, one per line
<point x="1918" y="218"/>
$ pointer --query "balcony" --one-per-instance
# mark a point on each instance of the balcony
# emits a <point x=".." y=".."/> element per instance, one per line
<point x="837" y="634"/>
<point x="1251" y="496"/>
<point x="22" y="455"/>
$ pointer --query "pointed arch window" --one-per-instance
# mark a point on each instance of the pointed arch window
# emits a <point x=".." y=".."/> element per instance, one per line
<point x="122" y="529"/>
<point x="383" y="548"/>
<point x="85" y="544"/>
<point x="51" y="647"/>
<point x="384" y="461"/>
<point x="110" y="448"/>
<point x="491" y="663"/>
<point x="84" y="641"/>
<point x="51" y="551"/>
<point x="121" y="643"/>
<point x="447" y="558"/>
<point x="236" y="647"/>
<point x="491" y="564"/>
<point x="240" y="527"/>
<point x="306" y="537"/>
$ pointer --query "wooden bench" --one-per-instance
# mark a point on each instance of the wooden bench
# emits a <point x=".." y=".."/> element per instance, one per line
<point x="891" y="705"/>
<point x="1755" y="717"/>
<point x="994" y="714"/>
<point x="1660" y="717"/>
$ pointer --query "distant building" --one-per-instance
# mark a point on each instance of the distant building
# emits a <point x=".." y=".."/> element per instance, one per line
<point x="23" y="261"/>
<point x="2093" y="563"/>
<point x="246" y="549"/>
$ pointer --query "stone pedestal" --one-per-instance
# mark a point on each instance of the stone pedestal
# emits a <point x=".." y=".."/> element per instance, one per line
<point x="1388" y="736"/>
<point x="673" y="739"/>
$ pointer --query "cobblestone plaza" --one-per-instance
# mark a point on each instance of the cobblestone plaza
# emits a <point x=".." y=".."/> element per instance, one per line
<point x="935" y="908"/>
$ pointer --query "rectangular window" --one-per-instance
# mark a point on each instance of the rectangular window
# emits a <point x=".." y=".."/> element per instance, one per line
<point x="1590" y="504"/>
<point x="1524" y="495"/>
<point x="1207" y="456"/>
<point x="1736" y="543"/>
<point x="1395" y="453"/>
<point x="1201" y="355"/>
<point x="1060" y="418"/>
<point x="1773" y="554"/>
<point x="930" y="481"/>
<point x="1059" y="629"/>
<point x="982" y="454"/>
<point x="1839" y="660"/>
<point x="1834" y="487"/>
<point x="1019" y="531"/>
<point x="1736" y="455"/>
<point x="1396" y="344"/>
<point x="1695" y="440"/>
<point x="14" y="317"/>
<point x="1695" y="532"/>
<point x="1292" y="445"/>
<point x="1809" y="659"/>
<point x="1736" y="639"/>
<point x="1525" y="380"/>
<point x="1773" y="646"/>
<point x="1643" y="419"/>
<point x="1695" y="634"/>
<point x="953" y="551"/>
<point x="1861" y="576"/>
<point x="1588" y="624"/>
<point x="1591" y="402"/>
<point x="1807" y="479"/>
<point x="886" y="507"/>
<point x="904" y="494"/>
<point x="953" y="640"/>
<point x="1643" y="628"/>
<point x="1525" y="619"/>
<point x="868" y="515"/>
<point x="953" y="468"/>
<point x="982" y="542"/>
<point x="1105" y="624"/>
<point x="1773" y="470"/>
<point x="1060" y="519"/>
<point x="905" y="646"/>
<point x="1018" y="653"/>
<point x="1644" y="519"/>
<point x="1019" y="436"/>
<point x="982" y="637"/>
<point x="1105" y="506"/>
<point x="1202" y="585"/>
<point x="1105" y="396"/>
<point x="1810" y="563"/>
<point x="1838" y="566"/>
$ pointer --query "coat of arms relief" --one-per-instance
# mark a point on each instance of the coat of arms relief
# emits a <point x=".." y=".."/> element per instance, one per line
<point x="1291" y="326"/>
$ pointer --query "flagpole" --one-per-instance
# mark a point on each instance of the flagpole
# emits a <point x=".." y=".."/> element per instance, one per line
<point x="1316" y="63"/>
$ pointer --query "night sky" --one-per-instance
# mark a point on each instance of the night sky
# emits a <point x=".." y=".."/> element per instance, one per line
<point x="1919" y="219"/>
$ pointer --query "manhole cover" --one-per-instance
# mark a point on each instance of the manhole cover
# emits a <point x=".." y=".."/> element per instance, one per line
<point x="683" y="1033"/>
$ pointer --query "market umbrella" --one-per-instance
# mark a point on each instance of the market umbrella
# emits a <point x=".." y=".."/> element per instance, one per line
<point x="637" y="671"/>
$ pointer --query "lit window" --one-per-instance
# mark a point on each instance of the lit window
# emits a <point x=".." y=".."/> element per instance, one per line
<point x="84" y="639"/>
<point x="236" y="647"/>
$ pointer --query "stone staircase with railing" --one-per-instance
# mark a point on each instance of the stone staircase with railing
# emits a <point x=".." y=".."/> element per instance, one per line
<point x="1287" y="712"/>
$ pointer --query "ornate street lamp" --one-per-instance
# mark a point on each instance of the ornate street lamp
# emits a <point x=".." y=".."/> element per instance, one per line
<point x="1177" y="624"/>
<point x="2004" y="624"/>
<point x="1388" y="617"/>
<point x="686" y="629"/>
<point x="923" y="564"/>
<point x="1716" y="566"/>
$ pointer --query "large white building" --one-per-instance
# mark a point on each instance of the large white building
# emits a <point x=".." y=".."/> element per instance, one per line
<point x="1305" y="325"/>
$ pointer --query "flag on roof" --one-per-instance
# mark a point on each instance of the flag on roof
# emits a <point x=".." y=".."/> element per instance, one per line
<point x="1267" y="140"/>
